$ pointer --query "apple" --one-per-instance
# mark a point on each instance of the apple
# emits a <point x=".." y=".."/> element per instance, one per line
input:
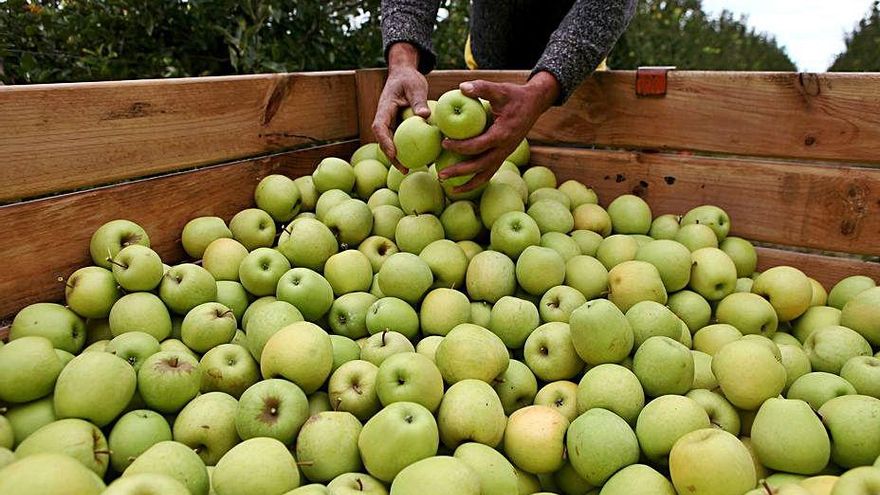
<point x="137" y="268"/>
<point x="111" y="237"/>
<point x="711" y="338"/>
<point x="851" y="421"/>
<point x="307" y="290"/>
<point x="222" y="258"/>
<point x="442" y="310"/>
<point x="560" y="394"/>
<point x="559" y="302"/>
<point x="664" y="366"/>
<point x="513" y="232"/>
<point x="490" y="276"/>
<point x="461" y="221"/>
<point x="141" y="312"/>
<point x="513" y="179"/>
<point x="29" y="367"/>
<point x="521" y="155"/>
<point x="749" y="313"/>
<point x="447" y="261"/>
<point x="861" y="314"/>
<point x="271" y="408"/>
<point x="279" y="196"/>
<point x="311" y="243"/>
<point x="599" y="443"/>
<point x="633" y="281"/>
<point x="711" y="461"/>
<point x="516" y="387"/>
<point x="391" y="313"/>
<point x="497" y="474"/>
<point x="592" y="217"/>
<point x="600" y="332"/>
<point x="257" y="465"/>
<point x="587" y="240"/>
<point x="395" y="177"/>
<point x="333" y="173"/>
<point x="377" y="347"/>
<point x="863" y="372"/>
<point x="50" y="473"/>
<point x="665" y="227"/>
<point x="344" y="350"/>
<point x="550" y="353"/>
<point x="471" y="351"/>
<point x="253" y="228"/>
<point x="351" y="221"/>
<point x="63" y="328"/>
<point x="513" y="319"/>
<point x="703" y="377"/>
<point x="696" y="236"/>
<point x="713" y="274"/>
<point x="471" y="412"/>
<point x="691" y="307"/>
<point x="406" y="276"/>
<point x="787" y="436"/>
<point x="356" y="484"/>
<point x="76" y="438"/>
<point x="327" y="446"/>
<point x="611" y="387"/>
<point x="207" y="424"/>
<point x="369" y="176"/>
<point x="228" y="368"/>
<point x="538" y="269"/>
<point x="818" y="387"/>
<point x="300" y="352"/>
<point x="399" y="435"/>
<point x="550" y="193"/>
<point x="649" y="318"/>
<point x="428" y="346"/>
<point x="721" y="413"/>
<point x="352" y="388"/>
<point x="787" y="289"/>
<point x="385" y="220"/>
<point x="91" y="291"/>
<point x="377" y="249"/>
<point x="308" y="193"/>
<point x="146" y="484"/>
<point x="168" y="380"/>
<point x="796" y="363"/>
<point x="447" y="159"/>
<point x="417" y="143"/>
<point x="551" y="216"/>
<point x="96" y="329"/>
<point x="748" y="372"/>
<point x="383" y="196"/>
<point x="420" y="193"/>
<point x="743" y="254"/>
<point x="563" y="244"/>
<point x="672" y="259"/>
<point x="234" y="296"/>
<point x="846" y="289"/>
<point x="415" y="232"/>
<point x="27" y="418"/>
<point x="630" y="215"/>
<point x="638" y="478"/>
<point x="830" y="347"/>
<point x="348" y="314"/>
<point x="326" y="202"/>
<point x="437" y="475"/>
<point x="820" y="295"/>
<point x="459" y="116"/>
<point x="186" y="286"/>
<point x="666" y="419"/>
<point x="348" y="271"/>
<point x="409" y="377"/>
<point x="370" y="151"/>
<point x="207" y="326"/>
<point x="498" y="199"/>
<point x="538" y="177"/>
<point x="578" y="193"/>
<point x="711" y="216"/>
<point x="95" y="386"/>
<point x="266" y="321"/>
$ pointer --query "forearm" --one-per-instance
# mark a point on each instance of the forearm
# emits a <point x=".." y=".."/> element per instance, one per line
<point x="583" y="39"/>
<point x="410" y="22"/>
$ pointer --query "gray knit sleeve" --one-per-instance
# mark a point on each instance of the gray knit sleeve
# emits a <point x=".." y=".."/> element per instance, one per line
<point x="583" y="39"/>
<point x="411" y="21"/>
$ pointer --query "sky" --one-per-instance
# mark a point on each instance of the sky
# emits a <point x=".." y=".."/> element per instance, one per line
<point x="812" y="31"/>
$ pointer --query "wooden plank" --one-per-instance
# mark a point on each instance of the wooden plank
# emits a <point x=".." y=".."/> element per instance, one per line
<point x="812" y="116"/>
<point x="62" y="137"/>
<point x="833" y="208"/>
<point x="48" y="238"/>
<point x="369" y="88"/>
<point x="826" y="269"/>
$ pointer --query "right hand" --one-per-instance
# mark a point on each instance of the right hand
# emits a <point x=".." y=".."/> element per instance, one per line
<point x="405" y="87"/>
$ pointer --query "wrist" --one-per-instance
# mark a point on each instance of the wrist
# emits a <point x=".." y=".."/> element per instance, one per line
<point x="403" y="55"/>
<point x="545" y="87"/>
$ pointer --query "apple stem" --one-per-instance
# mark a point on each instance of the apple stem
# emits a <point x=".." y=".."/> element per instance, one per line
<point x="360" y="484"/>
<point x="227" y="312"/>
<point x="305" y="463"/>
<point x="61" y="279"/>
<point x="767" y="487"/>
<point x="383" y="337"/>
<point x="120" y="265"/>
<point x="103" y="452"/>
<point x="273" y="411"/>
<point x="197" y="449"/>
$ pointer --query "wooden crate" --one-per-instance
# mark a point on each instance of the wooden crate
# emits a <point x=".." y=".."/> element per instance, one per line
<point x="792" y="157"/>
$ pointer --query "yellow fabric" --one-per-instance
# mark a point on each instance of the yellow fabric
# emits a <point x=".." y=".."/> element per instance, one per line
<point x="472" y="64"/>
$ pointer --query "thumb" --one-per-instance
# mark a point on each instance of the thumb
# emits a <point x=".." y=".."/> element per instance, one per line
<point x="483" y="89"/>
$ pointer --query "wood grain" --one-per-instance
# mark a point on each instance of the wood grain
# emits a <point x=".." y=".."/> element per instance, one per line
<point x="49" y="238"/>
<point x="833" y="208"/>
<point x="62" y="137"/>
<point x="826" y="269"/>
<point x="369" y="88"/>
<point x="812" y="116"/>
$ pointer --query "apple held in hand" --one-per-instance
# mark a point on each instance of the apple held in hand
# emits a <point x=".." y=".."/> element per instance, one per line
<point x="417" y="143"/>
<point x="459" y="116"/>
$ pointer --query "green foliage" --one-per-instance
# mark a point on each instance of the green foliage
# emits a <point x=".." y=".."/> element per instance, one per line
<point x="85" y="40"/>
<point x="862" y="45"/>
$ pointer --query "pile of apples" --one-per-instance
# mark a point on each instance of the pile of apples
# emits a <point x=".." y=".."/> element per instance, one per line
<point x="365" y="331"/>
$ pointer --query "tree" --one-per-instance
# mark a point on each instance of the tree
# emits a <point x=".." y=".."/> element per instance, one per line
<point x="862" y="52"/>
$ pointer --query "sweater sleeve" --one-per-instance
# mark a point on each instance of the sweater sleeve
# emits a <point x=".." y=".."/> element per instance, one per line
<point x="411" y="21"/>
<point x="584" y="37"/>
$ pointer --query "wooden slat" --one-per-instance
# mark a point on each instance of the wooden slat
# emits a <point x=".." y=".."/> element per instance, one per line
<point x="67" y="136"/>
<point x="833" y="208"/>
<point x="813" y="116"/>
<point x="47" y="238"/>
<point x="826" y="269"/>
<point x="369" y="88"/>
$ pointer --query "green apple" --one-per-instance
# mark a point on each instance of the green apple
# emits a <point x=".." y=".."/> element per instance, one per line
<point x="851" y="421"/>
<point x="266" y="321"/>
<point x="551" y="216"/>
<point x="311" y="243"/>
<point x="459" y="116"/>
<point x="186" y="286"/>
<point x="672" y="259"/>
<point x="592" y="217"/>
<point x="428" y="346"/>
<point x="664" y="366"/>
<point x="261" y="269"/>
<point x="713" y="274"/>
<point x="95" y="386"/>
<point x="749" y="313"/>
<point x="818" y="387"/>
<point x="691" y="307"/>
<point x="415" y="232"/>
<point x="516" y="387"/>
<point x="383" y="196"/>
<point x="611" y="387"/>
<point x="409" y="377"/>
<point x="638" y="478"/>
<point x="696" y="236"/>
<point x="300" y="352"/>
<point x="748" y="373"/>
<point x="348" y="314"/>
<point x="207" y="424"/>
<point x="437" y="475"/>
<point x="513" y="179"/>
<point x="550" y="353"/>
<point x="348" y="271"/>
<point x="538" y="269"/>
<point x="599" y="443"/>
<point x="344" y="350"/>
<point x="377" y="249"/>
<point x="369" y="176"/>
<point x="587" y="275"/>
<point x="787" y="436"/>
<point x="711" y="216"/>
<point x="665" y="226"/>
<point x="207" y="326"/>
<point x="27" y="418"/>
<point x="111" y="237"/>
<point x="137" y="268"/>
<point x="703" y="377"/>
<point x="461" y="221"/>
<point x="848" y="288"/>
<point x="447" y="261"/>
<point x="253" y="228"/>
<point x="308" y="193"/>
<point x="141" y="312"/>
<point x="498" y="199"/>
<point x="630" y="215"/>
<point x="666" y="419"/>
<point x="29" y="367"/>
<point x="394" y="179"/>
<point x="711" y="338"/>
<point x="538" y="177"/>
<point x="377" y="347"/>
<point x="146" y="484"/>
<point x="861" y="480"/>
<point x="615" y="249"/>
<point x="50" y="473"/>
<point x="333" y="173"/>
<point x="319" y="402"/>
<point x="385" y="220"/>
<point x="406" y="276"/>
<point x="578" y="193"/>
<point x="417" y="143"/>
<point x="796" y="363"/>
<point x="742" y="252"/>
<point x="562" y="244"/>
<point x="513" y="232"/>
<point x="549" y="193"/>
<point x="497" y="474"/>
<point x="490" y="276"/>
<point x="257" y="465"/>
<point x="279" y="196"/>
<point x="830" y="347"/>
<point x="391" y="313"/>
<point x="534" y="439"/>
<point x="442" y="310"/>
<point x="711" y="461"/>
<point x="271" y="408"/>
<point x="307" y="290"/>
<point x="521" y="155"/>
<point x="649" y="318"/>
<point x="200" y="232"/>
<point x="234" y="296"/>
<point x="91" y="291"/>
<point x="559" y="394"/>
<point x="721" y="413"/>
<point x="861" y="314"/>
<point x="370" y="151"/>
<point x="447" y="159"/>
<point x="222" y="258"/>
<point x="228" y="368"/>
<point x="356" y="484"/>
<point x="633" y="281"/>
<point x="399" y="435"/>
<point x="744" y="284"/>
<point x="327" y="446"/>
<point x="559" y="302"/>
<point x="76" y="438"/>
<point x="787" y="289"/>
<point x="471" y="412"/>
<point x="820" y="295"/>
<point x="420" y="193"/>
<point x="863" y="372"/>
<point x="168" y="380"/>
<point x="351" y="222"/>
<point x="470" y="351"/>
<point x="326" y="202"/>
<point x="600" y="332"/>
<point x="63" y="328"/>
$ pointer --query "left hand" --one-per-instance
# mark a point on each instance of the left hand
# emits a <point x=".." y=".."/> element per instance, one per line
<point x="516" y="108"/>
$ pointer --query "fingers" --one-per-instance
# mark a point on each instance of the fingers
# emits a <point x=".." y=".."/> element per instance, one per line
<point x="382" y="130"/>
<point x="417" y="95"/>
<point x="494" y="92"/>
<point x="478" y="180"/>
<point x="479" y="144"/>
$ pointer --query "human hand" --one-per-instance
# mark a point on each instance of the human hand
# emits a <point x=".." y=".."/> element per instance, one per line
<point x="515" y="109"/>
<point x="405" y="87"/>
